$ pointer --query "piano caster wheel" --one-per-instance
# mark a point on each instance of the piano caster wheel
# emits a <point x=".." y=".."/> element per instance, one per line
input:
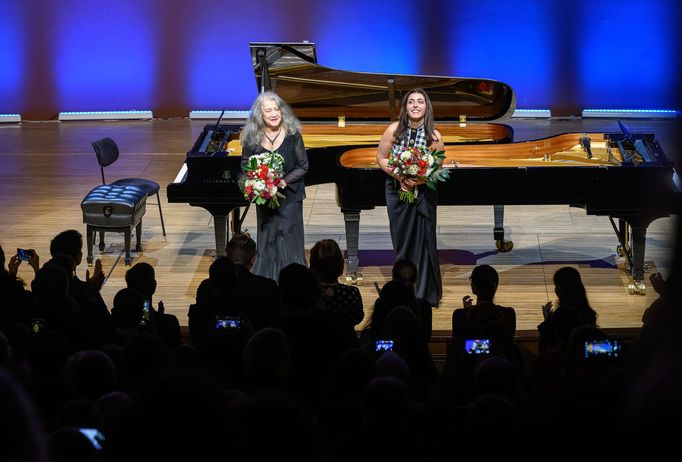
<point x="128" y="261"/>
<point x="354" y="279"/>
<point x="504" y="246"/>
<point x="138" y="248"/>
<point x="101" y="246"/>
<point x="636" y="288"/>
<point x="89" y="260"/>
<point x="620" y="251"/>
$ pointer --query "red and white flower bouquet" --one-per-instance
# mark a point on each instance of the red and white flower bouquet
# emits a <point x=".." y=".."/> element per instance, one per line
<point x="262" y="174"/>
<point x="420" y="163"/>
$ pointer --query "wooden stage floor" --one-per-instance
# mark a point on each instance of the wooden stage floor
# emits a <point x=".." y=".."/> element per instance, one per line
<point x="46" y="168"/>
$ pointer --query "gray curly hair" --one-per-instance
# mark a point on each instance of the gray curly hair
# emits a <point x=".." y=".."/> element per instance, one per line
<point x="252" y="133"/>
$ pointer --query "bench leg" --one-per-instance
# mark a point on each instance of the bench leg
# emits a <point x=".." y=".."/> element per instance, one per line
<point x="138" y="236"/>
<point x="90" y="237"/>
<point x="126" y="234"/>
<point x="101" y="241"/>
<point x="158" y="201"/>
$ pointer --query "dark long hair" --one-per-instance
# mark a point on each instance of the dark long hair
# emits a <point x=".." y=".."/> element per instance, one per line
<point x="404" y="119"/>
<point x="571" y="292"/>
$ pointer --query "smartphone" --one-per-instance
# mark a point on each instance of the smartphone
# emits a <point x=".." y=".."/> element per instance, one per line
<point x="478" y="346"/>
<point x="24" y="254"/>
<point x="228" y="322"/>
<point x="95" y="436"/>
<point x="602" y="348"/>
<point x="383" y="345"/>
<point x="145" y="313"/>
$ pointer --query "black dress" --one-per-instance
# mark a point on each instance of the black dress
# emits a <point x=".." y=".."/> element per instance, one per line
<point x="413" y="232"/>
<point x="280" y="238"/>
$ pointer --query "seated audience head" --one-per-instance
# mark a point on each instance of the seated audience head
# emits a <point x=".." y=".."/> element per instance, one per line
<point x="405" y="270"/>
<point x="128" y="308"/>
<point x="300" y="288"/>
<point x="241" y="250"/>
<point x="569" y="288"/>
<point x="142" y="278"/>
<point x="326" y="260"/>
<point x="484" y="282"/>
<point x="223" y="275"/>
<point x="69" y="242"/>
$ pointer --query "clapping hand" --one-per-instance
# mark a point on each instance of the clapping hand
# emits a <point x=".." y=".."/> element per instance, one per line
<point x="94" y="283"/>
<point x="546" y="310"/>
<point x="657" y="282"/>
<point x="467" y="301"/>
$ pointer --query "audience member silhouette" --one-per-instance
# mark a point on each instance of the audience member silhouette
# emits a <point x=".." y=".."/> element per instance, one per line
<point x="21" y="434"/>
<point x="569" y="289"/>
<point x="141" y="277"/>
<point x="258" y="296"/>
<point x="316" y="339"/>
<point x="467" y="321"/>
<point x="215" y="295"/>
<point x="16" y="302"/>
<point x="127" y="315"/>
<point x="326" y="260"/>
<point x="86" y="293"/>
<point x="405" y="271"/>
<point x="392" y="294"/>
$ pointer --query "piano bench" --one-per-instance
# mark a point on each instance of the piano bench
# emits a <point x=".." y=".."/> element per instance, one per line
<point x="114" y="208"/>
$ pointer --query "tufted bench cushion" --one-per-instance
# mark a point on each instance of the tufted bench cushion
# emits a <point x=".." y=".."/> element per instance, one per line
<point x="112" y="207"/>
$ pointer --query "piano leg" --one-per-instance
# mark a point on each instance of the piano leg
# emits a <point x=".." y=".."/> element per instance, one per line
<point x="220" y="230"/>
<point x="638" y="232"/>
<point x="351" y="220"/>
<point x="498" y="231"/>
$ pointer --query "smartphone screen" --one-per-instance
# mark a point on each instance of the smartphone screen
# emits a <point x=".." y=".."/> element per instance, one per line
<point x="479" y="346"/>
<point x="384" y="345"/>
<point x="24" y="254"/>
<point x="602" y="348"/>
<point x="228" y="322"/>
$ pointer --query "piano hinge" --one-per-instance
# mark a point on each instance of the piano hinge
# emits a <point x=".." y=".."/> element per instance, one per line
<point x="462" y="120"/>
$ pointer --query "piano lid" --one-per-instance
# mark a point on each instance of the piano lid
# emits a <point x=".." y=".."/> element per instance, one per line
<point x="317" y="92"/>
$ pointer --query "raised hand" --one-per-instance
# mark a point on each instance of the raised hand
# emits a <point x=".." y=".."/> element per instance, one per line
<point x="13" y="265"/>
<point x="94" y="282"/>
<point x="467" y="301"/>
<point x="657" y="282"/>
<point x="546" y="310"/>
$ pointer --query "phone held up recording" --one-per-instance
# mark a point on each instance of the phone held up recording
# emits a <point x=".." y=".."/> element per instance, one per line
<point x="24" y="254"/>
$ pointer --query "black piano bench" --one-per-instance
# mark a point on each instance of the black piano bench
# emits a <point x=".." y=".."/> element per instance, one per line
<point x="114" y="208"/>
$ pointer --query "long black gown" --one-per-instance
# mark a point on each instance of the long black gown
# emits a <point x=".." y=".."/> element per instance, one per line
<point x="280" y="237"/>
<point x="413" y="231"/>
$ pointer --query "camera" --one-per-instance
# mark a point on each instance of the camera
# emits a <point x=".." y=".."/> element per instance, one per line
<point x="228" y="322"/>
<point x="479" y="346"/>
<point x="383" y="345"/>
<point x="145" y="313"/>
<point x="94" y="435"/>
<point x="24" y="254"/>
<point x="602" y="348"/>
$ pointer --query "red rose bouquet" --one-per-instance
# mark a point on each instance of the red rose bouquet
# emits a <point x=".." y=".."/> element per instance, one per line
<point x="420" y="163"/>
<point x="262" y="174"/>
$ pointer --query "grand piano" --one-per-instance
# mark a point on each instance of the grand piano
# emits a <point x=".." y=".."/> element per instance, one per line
<point x="623" y="176"/>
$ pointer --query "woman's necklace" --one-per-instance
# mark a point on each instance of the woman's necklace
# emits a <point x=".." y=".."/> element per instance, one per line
<point x="272" y="140"/>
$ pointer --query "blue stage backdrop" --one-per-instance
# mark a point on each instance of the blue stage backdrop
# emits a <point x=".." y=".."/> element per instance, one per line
<point x="172" y="56"/>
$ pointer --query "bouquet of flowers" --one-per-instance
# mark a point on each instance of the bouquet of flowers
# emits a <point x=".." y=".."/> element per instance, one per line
<point x="420" y="163"/>
<point x="262" y="174"/>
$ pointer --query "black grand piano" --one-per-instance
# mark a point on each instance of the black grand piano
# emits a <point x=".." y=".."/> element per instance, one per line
<point x="624" y="176"/>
